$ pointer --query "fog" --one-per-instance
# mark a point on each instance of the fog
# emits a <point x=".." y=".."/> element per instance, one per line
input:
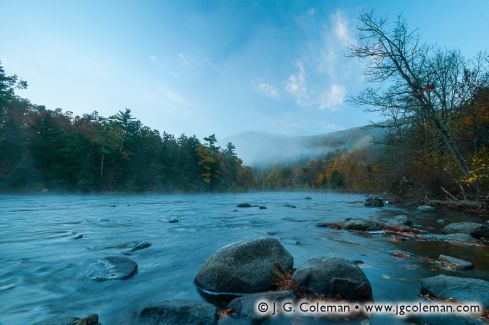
<point x="261" y="149"/>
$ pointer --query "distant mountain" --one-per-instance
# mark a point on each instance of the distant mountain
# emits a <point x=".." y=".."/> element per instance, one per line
<point x="260" y="149"/>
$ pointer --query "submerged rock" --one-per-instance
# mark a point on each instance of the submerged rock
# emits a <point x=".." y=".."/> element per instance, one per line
<point x="261" y="207"/>
<point x="401" y="254"/>
<point x="461" y="289"/>
<point x="173" y="220"/>
<point x="457" y="237"/>
<point x="79" y="236"/>
<point x="373" y="201"/>
<point x="426" y="208"/>
<point x="112" y="268"/>
<point x="290" y="206"/>
<point x="91" y="319"/>
<point x="455" y="263"/>
<point x="245" y="307"/>
<point x="400" y="220"/>
<point x="244" y="205"/>
<point x="476" y="230"/>
<point x="180" y="311"/>
<point x="334" y="278"/>
<point x="329" y="225"/>
<point x="362" y="225"/>
<point x="132" y="245"/>
<point x="245" y="267"/>
<point x="308" y="198"/>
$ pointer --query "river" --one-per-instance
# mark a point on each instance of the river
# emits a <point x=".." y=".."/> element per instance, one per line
<point x="43" y="268"/>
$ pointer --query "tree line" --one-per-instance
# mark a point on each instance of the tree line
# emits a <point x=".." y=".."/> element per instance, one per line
<point x="56" y="150"/>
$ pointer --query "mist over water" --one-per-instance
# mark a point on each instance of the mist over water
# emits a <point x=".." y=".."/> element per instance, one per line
<point x="44" y="268"/>
<point x="261" y="149"/>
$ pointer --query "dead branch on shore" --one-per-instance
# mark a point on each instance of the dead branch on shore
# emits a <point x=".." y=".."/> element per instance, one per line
<point x="478" y="206"/>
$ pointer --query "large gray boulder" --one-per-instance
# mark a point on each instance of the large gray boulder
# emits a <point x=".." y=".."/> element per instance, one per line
<point x="476" y="230"/>
<point x="91" y="319"/>
<point x="334" y="278"/>
<point x="362" y="225"/>
<point x="245" y="307"/>
<point x="461" y="289"/>
<point x="245" y="267"/>
<point x="179" y="311"/>
<point x="112" y="268"/>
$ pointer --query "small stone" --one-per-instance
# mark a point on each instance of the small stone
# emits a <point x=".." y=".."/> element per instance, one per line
<point x="244" y="205"/>
<point x="455" y="263"/>
<point x="426" y="208"/>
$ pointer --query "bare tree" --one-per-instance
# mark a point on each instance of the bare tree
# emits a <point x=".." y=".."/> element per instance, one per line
<point x="417" y="84"/>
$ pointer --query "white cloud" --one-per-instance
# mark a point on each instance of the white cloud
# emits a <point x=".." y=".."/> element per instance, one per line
<point x="267" y="89"/>
<point x="296" y="84"/>
<point x="168" y="98"/>
<point x="155" y="60"/>
<point x="341" y="28"/>
<point x="184" y="61"/>
<point x="317" y="81"/>
<point x="333" y="97"/>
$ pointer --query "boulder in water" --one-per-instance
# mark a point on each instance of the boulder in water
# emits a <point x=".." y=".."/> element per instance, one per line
<point x="373" y="201"/>
<point x="334" y="278"/>
<point x="476" y="230"/>
<point x="245" y="267"/>
<point x="112" y="268"/>
<point x="399" y="220"/>
<point x="244" y="205"/>
<point x="461" y="289"/>
<point x="455" y="238"/>
<point x="362" y="225"/>
<point x="180" y="311"/>
<point x="454" y="263"/>
<point x="245" y="307"/>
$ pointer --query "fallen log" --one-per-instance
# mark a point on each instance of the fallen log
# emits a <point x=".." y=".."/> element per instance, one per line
<point x="459" y="203"/>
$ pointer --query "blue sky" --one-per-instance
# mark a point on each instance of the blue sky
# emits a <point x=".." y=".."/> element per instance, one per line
<point x="202" y="67"/>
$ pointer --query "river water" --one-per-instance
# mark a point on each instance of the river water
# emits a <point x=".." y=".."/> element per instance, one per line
<point x="43" y="268"/>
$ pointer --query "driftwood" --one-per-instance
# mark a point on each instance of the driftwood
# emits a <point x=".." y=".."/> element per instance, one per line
<point x="459" y="203"/>
<point x="477" y="203"/>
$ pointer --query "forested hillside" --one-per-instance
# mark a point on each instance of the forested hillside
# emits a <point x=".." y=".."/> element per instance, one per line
<point x="56" y="150"/>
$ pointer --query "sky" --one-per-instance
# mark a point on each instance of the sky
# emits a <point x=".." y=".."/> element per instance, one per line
<point x="204" y="67"/>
